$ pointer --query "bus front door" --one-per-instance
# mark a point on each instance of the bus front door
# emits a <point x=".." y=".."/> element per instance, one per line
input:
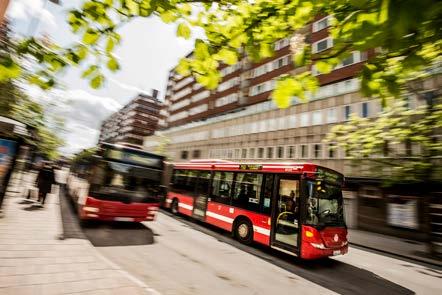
<point x="285" y="217"/>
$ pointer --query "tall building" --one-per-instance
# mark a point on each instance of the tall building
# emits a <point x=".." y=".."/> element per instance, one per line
<point x="137" y="119"/>
<point x="239" y="122"/>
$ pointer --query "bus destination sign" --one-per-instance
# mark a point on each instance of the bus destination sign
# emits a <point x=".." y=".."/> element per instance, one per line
<point x="250" y="167"/>
<point x="132" y="158"/>
<point x="330" y="176"/>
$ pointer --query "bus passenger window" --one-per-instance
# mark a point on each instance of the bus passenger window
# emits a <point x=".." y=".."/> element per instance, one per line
<point x="268" y="191"/>
<point x="221" y="187"/>
<point x="247" y="191"/>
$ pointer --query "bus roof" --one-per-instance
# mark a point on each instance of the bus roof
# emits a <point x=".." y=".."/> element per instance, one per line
<point x="283" y="167"/>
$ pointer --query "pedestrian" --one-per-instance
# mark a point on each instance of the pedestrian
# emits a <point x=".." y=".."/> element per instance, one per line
<point x="45" y="180"/>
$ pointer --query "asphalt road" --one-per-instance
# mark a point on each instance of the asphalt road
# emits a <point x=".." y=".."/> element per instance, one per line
<point x="175" y="255"/>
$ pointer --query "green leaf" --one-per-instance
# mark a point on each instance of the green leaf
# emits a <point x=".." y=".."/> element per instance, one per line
<point x="228" y="56"/>
<point x="383" y="13"/>
<point x="90" y="37"/>
<point x="183" y="67"/>
<point x="97" y="81"/>
<point x="92" y="69"/>
<point x="183" y="31"/>
<point x="323" y="67"/>
<point x="285" y="90"/>
<point x="110" y="44"/>
<point x="168" y="16"/>
<point x="112" y="64"/>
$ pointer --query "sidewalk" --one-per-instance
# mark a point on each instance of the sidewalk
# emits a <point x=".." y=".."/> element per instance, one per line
<point x="33" y="260"/>
<point x="392" y="245"/>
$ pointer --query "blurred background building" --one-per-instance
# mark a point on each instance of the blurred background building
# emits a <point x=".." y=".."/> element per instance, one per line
<point x="137" y="119"/>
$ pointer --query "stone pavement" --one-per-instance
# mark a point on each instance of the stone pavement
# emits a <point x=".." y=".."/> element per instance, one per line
<point x="33" y="259"/>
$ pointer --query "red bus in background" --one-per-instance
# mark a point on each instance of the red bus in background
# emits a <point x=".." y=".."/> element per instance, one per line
<point x="294" y="208"/>
<point x="117" y="183"/>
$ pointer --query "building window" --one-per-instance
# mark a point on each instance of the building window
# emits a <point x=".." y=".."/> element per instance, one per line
<point x="280" y="152"/>
<point x="317" y="150"/>
<point x="196" y="154"/>
<point x="347" y="112"/>
<point x="331" y="115"/>
<point x="304" y="119"/>
<point x="331" y="151"/>
<point x="282" y="43"/>
<point x="270" y="153"/>
<point x="317" y="117"/>
<point x="184" y="155"/>
<point x="364" y="109"/>
<point x="244" y="153"/>
<point x="260" y="153"/>
<point x="304" y="151"/>
<point x="237" y="153"/>
<point x="252" y="153"/>
<point x="322" y="45"/>
<point x="321" y="24"/>
<point x="291" y="152"/>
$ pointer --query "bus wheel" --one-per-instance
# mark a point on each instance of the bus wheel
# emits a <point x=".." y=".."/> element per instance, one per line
<point x="244" y="231"/>
<point x="174" y="206"/>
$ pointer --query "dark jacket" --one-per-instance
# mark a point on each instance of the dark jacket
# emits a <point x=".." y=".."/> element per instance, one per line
<point x="45" y="180"/>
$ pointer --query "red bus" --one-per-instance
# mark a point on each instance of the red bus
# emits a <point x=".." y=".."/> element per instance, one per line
<point x="117" y="183"/>
<point x="292" y="207"/>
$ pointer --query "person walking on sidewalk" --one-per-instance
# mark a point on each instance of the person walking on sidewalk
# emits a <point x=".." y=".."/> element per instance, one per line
<point x="45" y="180"/>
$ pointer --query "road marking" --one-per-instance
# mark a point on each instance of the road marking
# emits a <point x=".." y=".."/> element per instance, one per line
<point x="132" y="278"/>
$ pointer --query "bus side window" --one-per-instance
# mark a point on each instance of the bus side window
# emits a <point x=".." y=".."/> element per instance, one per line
<point x="202" y="187"/>
<point x="247" y="191"/>
<point x="222" y="187"/>
<point x="179" y="180"/>
<point x="267" y="193"/>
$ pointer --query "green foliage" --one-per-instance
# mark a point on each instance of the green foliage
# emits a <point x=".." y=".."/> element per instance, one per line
<point x="32" y="114"/>
<point x="398" y="146"/>
<point x="83" y="155"/>
<point x="405" y="34"/>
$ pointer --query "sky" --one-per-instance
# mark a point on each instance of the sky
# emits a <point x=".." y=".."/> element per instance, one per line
<point x="148" y="51"/>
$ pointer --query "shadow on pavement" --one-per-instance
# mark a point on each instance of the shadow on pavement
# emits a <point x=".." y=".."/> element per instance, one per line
<point x="101" y="234"/>
<point x="334" y="275"/>
<point x="24" y="202"/>
<point x="118" y="234"/>
<point x="33" y="208"/>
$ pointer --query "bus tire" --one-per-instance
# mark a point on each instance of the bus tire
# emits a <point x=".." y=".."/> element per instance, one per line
<point x="243" y="231"/>
<point x="174" y="206"/>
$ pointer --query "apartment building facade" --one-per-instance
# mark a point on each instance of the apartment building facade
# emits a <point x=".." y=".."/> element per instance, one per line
<point x="137" y="119"/>
<point x="239" y="122"/>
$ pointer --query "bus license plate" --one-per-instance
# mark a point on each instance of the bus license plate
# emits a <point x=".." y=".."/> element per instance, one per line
<point x="123" y="219"/>
<point x="337" y="252"/>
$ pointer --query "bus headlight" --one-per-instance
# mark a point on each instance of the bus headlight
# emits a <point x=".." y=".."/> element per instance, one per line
<point x="318" y="246"/>
<point x="91" y="209"/>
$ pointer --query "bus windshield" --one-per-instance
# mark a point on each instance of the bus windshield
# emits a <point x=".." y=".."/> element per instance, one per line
<point x="123" y="182"/>
<point x="324" y="204"/>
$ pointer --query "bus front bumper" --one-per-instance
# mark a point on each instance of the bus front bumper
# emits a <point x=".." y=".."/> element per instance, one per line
<point x="95" y="209"/>
<point x="313" y="251"/>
